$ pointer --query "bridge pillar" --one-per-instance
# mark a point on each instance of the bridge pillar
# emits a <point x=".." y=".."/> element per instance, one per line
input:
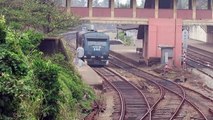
<point x="211" y="7"/>
<point x="163" y="33"/>
<point x="156" y="8"/>
<point x="112" y="6"/>
<point x="90" y="7"/>
<point x="174" y="9"/>
<point x="193" y="9"/>
<point x="134" y="8"/>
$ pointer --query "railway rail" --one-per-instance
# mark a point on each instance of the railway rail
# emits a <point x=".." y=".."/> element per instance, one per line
<point x="158" y="112"/>
<point x="126" y="107"/>
<point x="169" y="85"/>
<point x="133" y="103"/>
<point x="200" y="61"/>
<point x="208" y="55"/>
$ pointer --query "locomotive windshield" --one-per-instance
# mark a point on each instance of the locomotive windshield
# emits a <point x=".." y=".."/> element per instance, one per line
<point x="101" y="42"/>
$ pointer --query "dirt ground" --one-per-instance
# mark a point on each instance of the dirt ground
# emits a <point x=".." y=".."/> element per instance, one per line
<point x="190" y="78"/>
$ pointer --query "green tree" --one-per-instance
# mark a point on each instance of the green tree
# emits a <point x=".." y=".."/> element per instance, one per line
<point x="42" y="15"/>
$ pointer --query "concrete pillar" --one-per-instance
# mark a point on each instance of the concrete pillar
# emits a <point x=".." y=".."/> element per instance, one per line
<point x="174" y="9"/>
<point x="68" y="6"/>
<point x="90" y="7"/>
<point x="134" y="8"/>
<point x="112" y="6"/>
<point x="156" y="8"/>
<point x="178" y="42"/>
<point x="157" y="38"/>
<point x="193" y="9"/>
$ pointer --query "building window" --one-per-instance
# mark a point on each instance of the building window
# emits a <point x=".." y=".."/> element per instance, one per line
<point x="202" y="4"/>
<point x="166" y="4"/>
<point x="122" y="4"/>
<point x="182" y="4"/>
<point x="79" y="3"/>
<point x="100" y="3"/>
<point x="140" y="3"/>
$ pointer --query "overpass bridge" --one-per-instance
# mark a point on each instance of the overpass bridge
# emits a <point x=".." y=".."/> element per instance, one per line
<point x="195" y="12"/>
<point x="160" y="21"/>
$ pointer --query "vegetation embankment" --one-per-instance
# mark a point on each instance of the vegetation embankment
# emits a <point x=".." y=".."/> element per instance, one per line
<point x="126" y="39"/>
<point x="36" y="87"/>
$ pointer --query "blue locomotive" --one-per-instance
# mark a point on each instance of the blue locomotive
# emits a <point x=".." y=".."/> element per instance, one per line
<point x="96" y="47"/>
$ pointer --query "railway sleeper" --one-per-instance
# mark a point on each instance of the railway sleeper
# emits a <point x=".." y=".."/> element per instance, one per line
<point x="135" y="102"/>
<point x="126" y="88"/>
<point x="136" y="105"/>
<point x="132" y="97"/>
<point x="135" y="111"/>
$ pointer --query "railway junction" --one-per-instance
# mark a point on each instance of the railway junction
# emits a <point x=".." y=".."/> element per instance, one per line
<point x="160" y="77"/>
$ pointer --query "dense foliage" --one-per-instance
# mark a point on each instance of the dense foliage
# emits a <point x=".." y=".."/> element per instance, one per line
<point x="126" y="39"/>
<point x="33" y="87"/>
<point x="41" y="15"/>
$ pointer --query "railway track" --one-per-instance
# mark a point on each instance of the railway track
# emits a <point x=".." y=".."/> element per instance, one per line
<point x="206" y="55"/>
<point x="152" y="110"/>
<point x="200" y="58"/>
<point x="133" y="103"/>
<point x="200" y="61"/>
<point x="168" y="85"/>
<point x="159" y="112"/>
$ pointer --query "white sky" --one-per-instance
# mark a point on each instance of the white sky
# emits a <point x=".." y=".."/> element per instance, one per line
<point x="100" y="0"/>
<point x="125" y="1"/>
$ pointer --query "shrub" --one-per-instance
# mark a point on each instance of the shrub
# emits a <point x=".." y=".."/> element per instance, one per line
<point x="126" y="39"/>
<point x="47" y="76"/>
<point x="32" y="87"/>
<point x="2" y="30"/>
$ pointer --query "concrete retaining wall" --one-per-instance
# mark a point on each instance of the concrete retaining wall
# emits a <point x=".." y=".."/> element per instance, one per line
<point x="198" y="33"/>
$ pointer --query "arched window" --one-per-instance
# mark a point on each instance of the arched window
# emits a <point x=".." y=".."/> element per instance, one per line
<point x="79" y="3"/>
<point x="122" y="4"/>
<point x="100" y="3"/>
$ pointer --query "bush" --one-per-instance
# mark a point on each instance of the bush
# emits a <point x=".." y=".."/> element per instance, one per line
<point x="17" y="88"/>
<point x="32" y="87"/>
<point x="2" y="30"/>
<point x="47" y="76"/>
<point x="29" y="41"/>
<point x="126" y="39"/>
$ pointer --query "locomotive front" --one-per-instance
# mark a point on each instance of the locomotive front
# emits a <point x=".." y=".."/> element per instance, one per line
<point x="96" y="46"/>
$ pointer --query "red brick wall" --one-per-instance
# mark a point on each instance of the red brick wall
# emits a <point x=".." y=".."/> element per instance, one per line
<point x="80" y="11"/>
<point x="184" y="14"/>
<point x="101" y="12"/>
<point x="203" y="14"/>
<point x="145" y="13"/>
<point x="165" y="13"/>
<point x="123" y="12"/>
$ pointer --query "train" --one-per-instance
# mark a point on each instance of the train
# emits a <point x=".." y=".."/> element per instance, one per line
<point x="96" y="47"/>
